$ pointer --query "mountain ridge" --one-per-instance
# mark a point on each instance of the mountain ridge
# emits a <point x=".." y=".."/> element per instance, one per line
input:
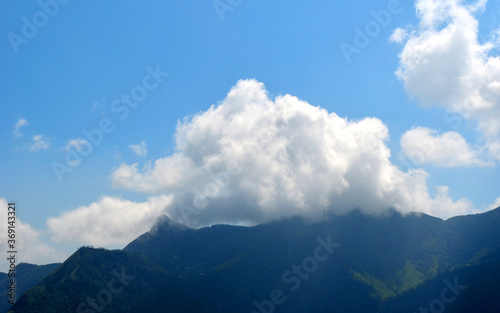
<point x="223" y="268"/>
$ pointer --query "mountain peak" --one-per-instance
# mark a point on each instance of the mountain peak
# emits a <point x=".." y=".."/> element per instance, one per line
<point x="166" y="224"/>
<point x="164" y="229"/>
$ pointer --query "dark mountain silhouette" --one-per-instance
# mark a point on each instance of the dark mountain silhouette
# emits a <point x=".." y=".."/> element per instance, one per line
<point x="349" y="263"/>
<point x="27" y="276"/>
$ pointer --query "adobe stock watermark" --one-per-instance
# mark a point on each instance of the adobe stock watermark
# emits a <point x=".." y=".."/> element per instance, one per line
<point x="221" y="7"/>
<point x="363" y="36"/>
<point x="105" y="296"/>
<point x="31" y="27"/>
<point x="448" y="295"/>
<point x="122" y="107"/>
<point x="296" y="274"/>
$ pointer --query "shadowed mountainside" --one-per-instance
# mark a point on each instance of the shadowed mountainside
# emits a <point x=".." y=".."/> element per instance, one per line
<point x="353" y="262"/>
<point x="27" y="276"/>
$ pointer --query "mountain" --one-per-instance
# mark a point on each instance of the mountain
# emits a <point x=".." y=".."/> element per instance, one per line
<point x="348" y="263"/>
<point x="478" y="287"/>
<point x="27" y="276"/>
<point x="123" y="281"/>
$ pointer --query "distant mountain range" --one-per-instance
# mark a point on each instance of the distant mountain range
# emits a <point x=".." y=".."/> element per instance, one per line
<point x="27" y="276"/>
<point x="349" y="263"/>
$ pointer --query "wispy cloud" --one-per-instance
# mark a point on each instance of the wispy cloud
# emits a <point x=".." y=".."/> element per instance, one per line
<point x="495" y="205"/>
<point x="77" y="143"/>
<point x="139" y="149"/>
<point x="17" y="128"/>
<point x="97" y="105"/>
<point x="39" y="142"/>
<point x="74" y="147"/>
<point x="399" y="35"/>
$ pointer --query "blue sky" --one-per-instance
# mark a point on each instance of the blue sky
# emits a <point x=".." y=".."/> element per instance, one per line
<point x="63" y="81"/>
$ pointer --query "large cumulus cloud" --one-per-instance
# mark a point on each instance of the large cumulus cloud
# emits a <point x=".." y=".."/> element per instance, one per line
<point x="252" y="159"/>
<point x="443" y="63"/>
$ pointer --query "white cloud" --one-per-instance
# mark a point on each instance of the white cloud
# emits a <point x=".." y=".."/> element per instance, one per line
<point x="251" y="159"/>
<point x="495" y="205"/>
<point x="424" y="145"/>
<point x="399" y="35"/>
<point x="17" y="128"/>
<point x="167" y="174"/>
<point x="139" y="149"/>
<point x="82" y="146"/>
<point x="494" y="149"/>
<point x="444" y="64"/>
<point x="495" y="37"/>
<point x="78" y="144"/>
<point x="31" y="249"/>
<point x="109" y="221"/>
<point x="39" y="142"/>
<point x="96" y="105"/>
